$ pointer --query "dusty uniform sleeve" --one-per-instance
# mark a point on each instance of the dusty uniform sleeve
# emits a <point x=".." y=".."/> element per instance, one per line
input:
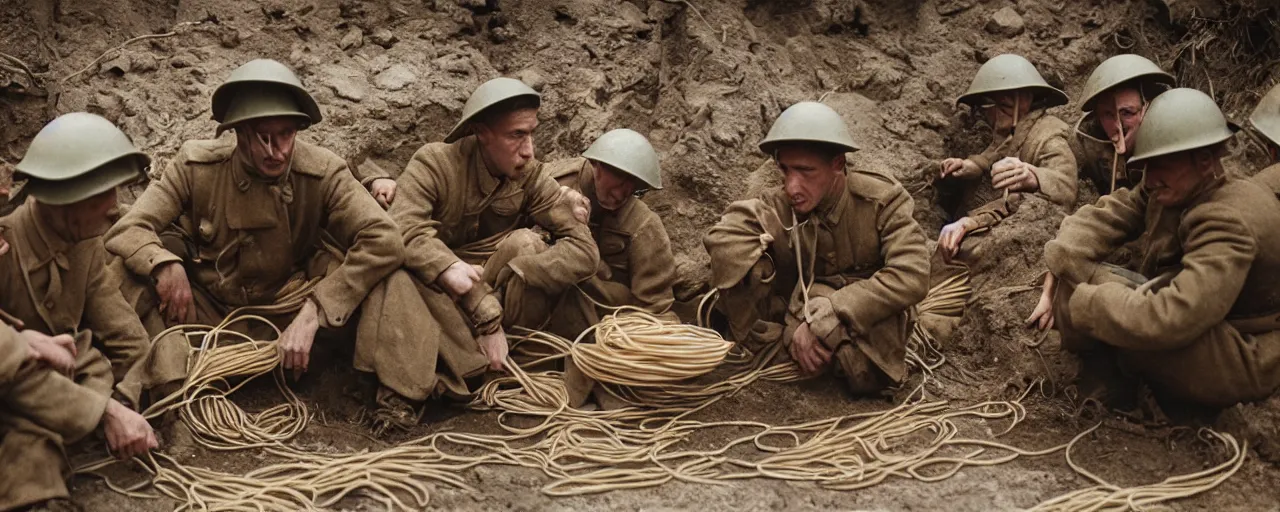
<point x="418" y="191"/>
<point x="574" y="255"/>
<point x="374" y="248"/>
<point x="42" y="395"/>
<point x="652" y="267"/>
<point x="1218" y="252"/>
<point x="901" y="283"/>
<point x="114" y="321"/>
<point x="1056" y="170"/>
<point x="368" y="171"/>
<point x="1088" y="236"/>
<point x="135" y="237"/>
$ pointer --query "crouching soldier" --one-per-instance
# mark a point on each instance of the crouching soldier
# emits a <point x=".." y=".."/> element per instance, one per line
<point x="55" y="382"/>
<point x="637" y="268"/>
<point x="1029" y="153"/>
<point x="473" y="267"/>
<point x="248" y="220"/>
<point x="835" y="254"/>
<point x="1196" y="316"/>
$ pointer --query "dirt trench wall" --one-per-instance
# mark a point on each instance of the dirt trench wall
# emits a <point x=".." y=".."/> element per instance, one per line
<point x="703" y="79"/>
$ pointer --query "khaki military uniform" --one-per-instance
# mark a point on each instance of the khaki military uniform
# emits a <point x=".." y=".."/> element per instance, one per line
<point x="1269" y="178"/>
<point x="1205" y="330"/>
<point x="246" y="240"/>
<point x="56" y="287"/>
<point x="1039" y="140"/>
<point x="450" y="208"/>
<point x="861" y="249"/>
<point x="637" y="267"/>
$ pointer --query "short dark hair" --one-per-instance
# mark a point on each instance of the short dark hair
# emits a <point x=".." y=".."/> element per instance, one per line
<point x="825" y="150"/>
<point x="507" y="106"/>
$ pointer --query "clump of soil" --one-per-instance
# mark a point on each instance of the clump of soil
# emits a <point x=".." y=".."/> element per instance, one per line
<point x="703" y="79"/>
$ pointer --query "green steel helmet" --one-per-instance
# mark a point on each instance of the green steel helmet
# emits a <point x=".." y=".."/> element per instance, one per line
<point x="1266" y="116"/>
<point x="78" y="156"/>
<point x="260" y="102"/>
<point x="629" y="152"/>
<point x="1180" y="120"/>
<point x="808" y="121"/>
<point x="1009" y="72"/>
<point x="259" y="75"/>
<point x="487" y="95"/>
<point x="1118" y="70"/>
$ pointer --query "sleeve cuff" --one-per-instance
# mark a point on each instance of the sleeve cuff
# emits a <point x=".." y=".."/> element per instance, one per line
<point x="825" y="322"/>
<point x="145" y="260"/>
<point x="983" y="162"/>
<point x="1078" y="305"/>
<point x="332" y="298"/>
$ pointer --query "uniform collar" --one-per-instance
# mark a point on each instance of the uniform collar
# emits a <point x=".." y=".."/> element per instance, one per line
<point x="832" y="206"/>
<point x="487" y="182"/>
<point x="43" y="243"/>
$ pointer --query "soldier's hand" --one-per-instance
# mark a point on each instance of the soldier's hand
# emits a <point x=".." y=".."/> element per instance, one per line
<point x="960" y="168"/>
<point x="1015" y="175"/>
<point x="384" y="191"/>
<point x="458" y="279"/>
<point x="176" y="303"/>
<point x="296" y="340"/>
<point x="579" y="203"/>
<point x="4" y="245"/>
<point x="494" y="347"/>
<point x="58" y="352"/>
<point x="1042" y="316"/>
<point x="807" y="351"/>
<point x="128" y="433"/>
<point x="952" y="236"/>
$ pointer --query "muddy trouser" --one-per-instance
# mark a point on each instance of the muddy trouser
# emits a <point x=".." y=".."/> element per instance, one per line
<point x="162" y="369"/>
<point x="33" y="461"/>
<point x="868" y="362"/>
<point x="1219" y="368"/>
<point x="421" y="343"/>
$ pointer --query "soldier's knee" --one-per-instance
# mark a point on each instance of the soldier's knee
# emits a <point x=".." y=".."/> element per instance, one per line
<point x="523" y="241"/>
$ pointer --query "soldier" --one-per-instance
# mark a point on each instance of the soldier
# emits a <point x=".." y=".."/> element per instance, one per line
<point x="473" y="268"/>
<point x="835" y="254"/>
<point x="1115" y="99"/>
<point x="1265" y="120"/>
<point x="637" y="267"/>
<point x="56" y="284"/>
<point x="1029" y="152"/>
<point x="247" y="220"/>
<point x="1196" y="317"/>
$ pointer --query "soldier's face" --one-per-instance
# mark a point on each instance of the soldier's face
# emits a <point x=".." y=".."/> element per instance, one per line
<point x="1172" y="180"/>
<point x="267" y="143"/>
<point x="507" y="142"/>
<point x="1003" y="108"/>
<point x="1120" y="112"/>
<point x="613" y="188"/>
<point x="88" y="218"/>
<point x="807" y="176"/>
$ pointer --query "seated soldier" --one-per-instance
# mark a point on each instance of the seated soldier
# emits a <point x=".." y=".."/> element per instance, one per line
<point x="56" y="285"/>
<point x="1196" y="317"/>
<point x="834" y="254"/>
<point x="637" y="267"/>
<point x="473" y="268"/>
<point x="1115" y="100"/>
<point x="1265" y="121"/>
<point x="1029" y="153"/>
<point x="247" y="220"/>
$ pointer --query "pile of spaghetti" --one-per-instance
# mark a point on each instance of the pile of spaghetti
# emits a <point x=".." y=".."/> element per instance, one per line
<point x="645" y="361"/>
